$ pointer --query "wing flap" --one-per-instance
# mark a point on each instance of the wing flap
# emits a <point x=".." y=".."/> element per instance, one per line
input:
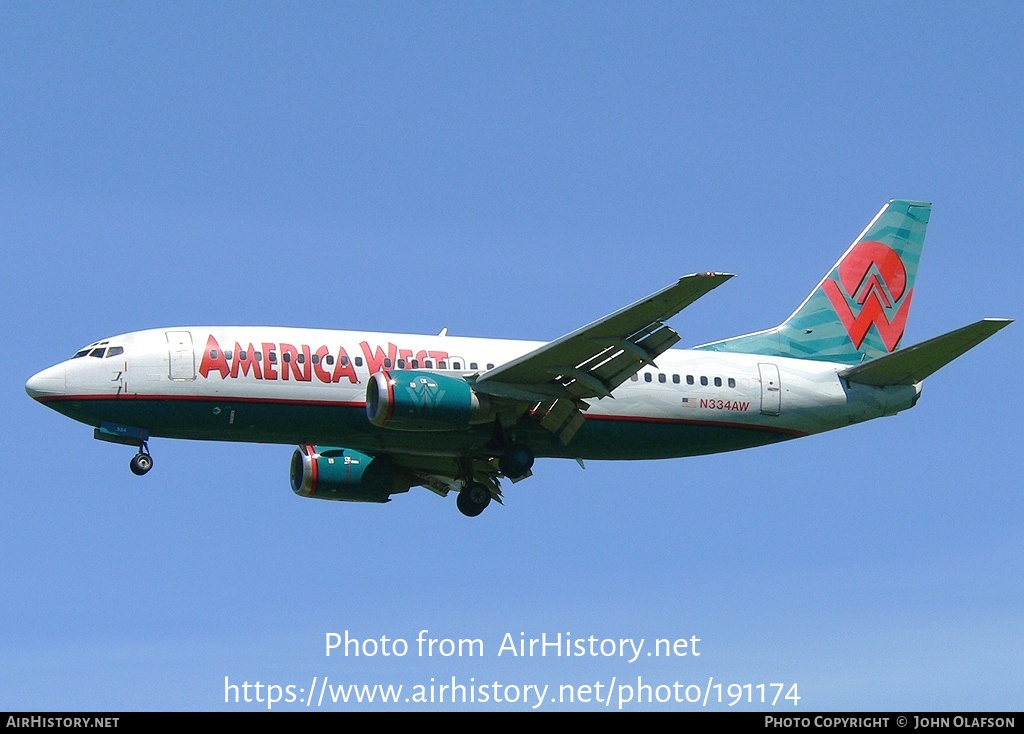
<point x="561" y="417"/>
<point x="913" y="364"/>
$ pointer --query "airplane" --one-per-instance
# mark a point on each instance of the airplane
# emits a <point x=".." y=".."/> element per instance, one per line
<point x="375" y="414"/>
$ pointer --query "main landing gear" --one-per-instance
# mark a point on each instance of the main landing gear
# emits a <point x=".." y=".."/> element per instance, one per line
<point x="142" y="462"/>
<point x="473" y="499"/>
<point x="482" y="478"/>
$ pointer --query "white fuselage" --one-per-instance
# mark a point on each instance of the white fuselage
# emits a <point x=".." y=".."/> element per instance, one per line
<point x="226" y="371"/>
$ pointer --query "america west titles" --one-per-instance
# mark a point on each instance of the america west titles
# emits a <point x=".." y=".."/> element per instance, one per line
<point x="302" y="363"/>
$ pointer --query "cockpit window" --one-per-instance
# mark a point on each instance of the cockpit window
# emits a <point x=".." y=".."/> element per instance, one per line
<point x="92" y="350"/>
<point x="114" y="351"/>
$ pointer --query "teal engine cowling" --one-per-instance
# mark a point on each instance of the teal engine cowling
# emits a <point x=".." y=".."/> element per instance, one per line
<point x="410" y="400"/>
<point x="329" y="473"/>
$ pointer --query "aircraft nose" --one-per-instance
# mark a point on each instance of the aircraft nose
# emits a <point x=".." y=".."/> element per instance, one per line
<point x="51" y="381"/>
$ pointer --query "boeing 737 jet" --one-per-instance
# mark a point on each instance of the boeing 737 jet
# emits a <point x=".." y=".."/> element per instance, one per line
<point x="374" y="414"/>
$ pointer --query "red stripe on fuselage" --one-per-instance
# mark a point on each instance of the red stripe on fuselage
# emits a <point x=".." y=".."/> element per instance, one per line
<point x="692" y="422"/>
<point x="202" y="398"/>
<point x="350" y="404"/>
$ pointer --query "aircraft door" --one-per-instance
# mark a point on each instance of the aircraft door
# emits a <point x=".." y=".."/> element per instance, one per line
<point x="771" y="388"/>
<point x="182" y="357"/>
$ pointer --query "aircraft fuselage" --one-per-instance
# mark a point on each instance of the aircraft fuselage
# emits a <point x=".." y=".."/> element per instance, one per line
<point x="297" y="386"/>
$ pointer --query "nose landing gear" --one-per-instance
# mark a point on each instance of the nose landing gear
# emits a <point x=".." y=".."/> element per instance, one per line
<point x="142" y="462"/>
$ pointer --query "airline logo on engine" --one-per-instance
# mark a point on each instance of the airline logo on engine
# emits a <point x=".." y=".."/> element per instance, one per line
<point x="304" y="363"/>
<point x="426" y="393"/>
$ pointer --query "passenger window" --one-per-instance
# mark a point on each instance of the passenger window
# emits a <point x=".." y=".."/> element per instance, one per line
<point x="661" y="377"/>
<point x="315" y="358"/>
<point x="732" y="382"/>
<point x="428" y="364"/>
<point x="241" y="354"/>
<point x="703" y="380"/>
<point x="647" y="377"/>
<point x="272" y="356"/>
<point x="472" y="365"/>
<point x="258" y="356"/>
<point x="213" y="354"/>
<point x="718" y="382"/>
<point x="359" y="361"/>
<point x="415" y="364"/>
<point x="300" y="358"/>
<point x="689" y="379"/>
<point x="442" y="365"/>
<point x="227" y="354"/>
<point x="635" y="377"/>
<point x="287" y="357"/>
<point x="344" y="361"/>
<point x="401" y="364"/>
<point x="456" y="365"/>
<point x="490" y="366"/>
<point x="329" y="359"/>
<point x="114" y="351"/>
<point x="387" y="362"/>
<point x="675" y="379"/>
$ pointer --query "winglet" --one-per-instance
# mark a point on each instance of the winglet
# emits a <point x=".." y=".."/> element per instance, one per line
<point x="913" y="364"/>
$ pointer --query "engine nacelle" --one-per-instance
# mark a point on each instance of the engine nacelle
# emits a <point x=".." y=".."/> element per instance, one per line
<point x="408" y="400"/>
<point x="326" y="472"/>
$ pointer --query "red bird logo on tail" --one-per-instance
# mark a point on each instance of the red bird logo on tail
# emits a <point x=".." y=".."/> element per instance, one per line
<point x="874" y="278"/>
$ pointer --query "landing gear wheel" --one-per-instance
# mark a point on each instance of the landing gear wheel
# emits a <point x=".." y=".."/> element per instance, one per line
<point x="140" y="464"/>
<point x="473" y="499"/>
<point x="516" y="461"/>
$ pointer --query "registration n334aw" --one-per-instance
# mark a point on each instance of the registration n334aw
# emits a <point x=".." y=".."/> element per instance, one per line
<point x="374" y="414"/>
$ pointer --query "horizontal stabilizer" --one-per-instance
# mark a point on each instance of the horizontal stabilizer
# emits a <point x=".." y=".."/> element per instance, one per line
<point x="913" y="364"/>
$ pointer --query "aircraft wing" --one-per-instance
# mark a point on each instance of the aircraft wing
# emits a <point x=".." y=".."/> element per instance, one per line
<point x="594" y="360"/>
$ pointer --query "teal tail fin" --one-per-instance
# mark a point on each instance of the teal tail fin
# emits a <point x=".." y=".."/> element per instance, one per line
<point x="859" y="310"/>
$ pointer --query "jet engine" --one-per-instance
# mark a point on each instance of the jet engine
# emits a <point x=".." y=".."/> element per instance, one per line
<point x="408" y="400"/>
<point x="326" y="472"/>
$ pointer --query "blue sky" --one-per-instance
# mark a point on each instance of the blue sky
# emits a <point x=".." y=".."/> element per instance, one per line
<point x="510" y="170"/>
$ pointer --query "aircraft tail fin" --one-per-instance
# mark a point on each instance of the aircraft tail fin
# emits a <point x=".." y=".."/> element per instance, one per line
<point x="859" y="310"/>
<point x="913" y="364"/>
